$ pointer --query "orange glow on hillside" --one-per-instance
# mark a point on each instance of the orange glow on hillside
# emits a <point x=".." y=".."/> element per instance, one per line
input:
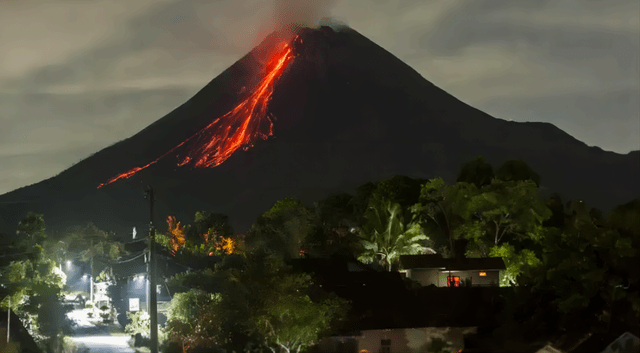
<point x="238" y="128"/>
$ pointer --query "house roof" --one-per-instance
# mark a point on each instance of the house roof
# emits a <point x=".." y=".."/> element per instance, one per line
<point x="604" y="342"/>
<point x="438" y="262"/>
<point x="627" y="342"/>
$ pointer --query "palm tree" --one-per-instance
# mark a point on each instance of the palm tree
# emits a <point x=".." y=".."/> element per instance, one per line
<point x="388" y="232"/>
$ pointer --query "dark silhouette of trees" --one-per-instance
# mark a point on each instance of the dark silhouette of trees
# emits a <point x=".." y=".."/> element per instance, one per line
<point x="477" y="172"/>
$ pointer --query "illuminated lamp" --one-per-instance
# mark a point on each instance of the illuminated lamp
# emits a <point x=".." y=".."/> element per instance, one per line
<point x="482" y="274"/>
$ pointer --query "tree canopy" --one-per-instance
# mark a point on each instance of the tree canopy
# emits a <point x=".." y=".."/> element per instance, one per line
<point x="284" y="229"/>
<point x="388" y="232"/>
<point x="477" y="172"/>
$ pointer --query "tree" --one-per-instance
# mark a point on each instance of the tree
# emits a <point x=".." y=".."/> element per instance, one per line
<point x="201" y="280"/>
<point x="285" y="229"/>
<point x="478" y="172"/>
<point x="88" y="243"/>
<point x="205" y="221"/>
<point x="583" y="275"/>
<point x="193" y="320"/>
<point x="389" y="232"/>
<point x="34" y="286"/>
<point x="337" y="210"/>
<point x="290" y="320"/>
<point x="517" y="170"/>
<point x="265" y="305"/>
<point x="31" y="229"/>
<point x="503" y="210"/>
<point x="517" y="263"/>
<point x="177" y="233"/>
<point x="439" y="211"/>
<point x="208" y="228"/>
<point x="338" y="220"/>
<point x="626" y="219"/>
<point x="399" y="189"/>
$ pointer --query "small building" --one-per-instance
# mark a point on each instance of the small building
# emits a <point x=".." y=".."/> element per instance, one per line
<point x="627" y="342"/>
<point x="401" y="340"/>
<point x="452" y="272"/>
<point x="101" y="294"/>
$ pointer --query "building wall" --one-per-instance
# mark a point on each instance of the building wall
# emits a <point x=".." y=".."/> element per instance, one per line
<point x="492" y="278"/>
<point x="337" y="344"/>
<point x="425" y="277"/>
<point x="413" y="340"/>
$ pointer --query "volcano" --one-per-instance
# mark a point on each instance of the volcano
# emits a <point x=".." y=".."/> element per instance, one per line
<point x="339" y="112"/>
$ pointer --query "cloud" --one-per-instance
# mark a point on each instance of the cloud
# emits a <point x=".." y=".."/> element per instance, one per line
<point x="610" y="116"/>
<point x="42" y="134"/>
<point x="571" y="63"/>
<point x="301" y="12"/>
<point x="39" y="33"/>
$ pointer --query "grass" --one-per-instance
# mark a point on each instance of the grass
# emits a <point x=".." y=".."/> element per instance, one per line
<point x="116" y="331"/>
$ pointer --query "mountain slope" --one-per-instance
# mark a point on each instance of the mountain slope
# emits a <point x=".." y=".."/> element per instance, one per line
<point x="347" y="112"/>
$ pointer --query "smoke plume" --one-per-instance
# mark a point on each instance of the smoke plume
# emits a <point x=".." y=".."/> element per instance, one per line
<point x="293" y="13"/>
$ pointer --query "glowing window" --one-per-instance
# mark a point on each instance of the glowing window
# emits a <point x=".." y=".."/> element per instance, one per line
<point x="482" y="274"/>
<point x="453" y="281"/>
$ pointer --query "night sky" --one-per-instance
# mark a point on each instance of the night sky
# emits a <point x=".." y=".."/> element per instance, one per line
<point x="78" y="76"/>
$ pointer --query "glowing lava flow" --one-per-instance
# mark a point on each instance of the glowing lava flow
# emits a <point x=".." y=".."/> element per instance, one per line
<point x="238" y="128"/>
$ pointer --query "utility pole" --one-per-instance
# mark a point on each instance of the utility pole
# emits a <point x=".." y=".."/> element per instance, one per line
<point x="9" y="318"/>
<point x="91" y="276"/>
<point x="153" y="295"/>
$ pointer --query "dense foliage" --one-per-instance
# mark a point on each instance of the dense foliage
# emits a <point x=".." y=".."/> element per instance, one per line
<point x="259" y="304"/>
<point x="571" y="268"/>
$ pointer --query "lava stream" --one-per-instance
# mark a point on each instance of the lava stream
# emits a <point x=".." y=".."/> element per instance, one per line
<point x="249" y="120"/>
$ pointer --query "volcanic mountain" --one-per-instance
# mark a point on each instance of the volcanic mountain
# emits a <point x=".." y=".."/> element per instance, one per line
<point x="341" y="112"/>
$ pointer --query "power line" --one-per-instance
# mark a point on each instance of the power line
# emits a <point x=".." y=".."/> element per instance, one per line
<point x="144" y="252"/>
<point x="136" y="241"/>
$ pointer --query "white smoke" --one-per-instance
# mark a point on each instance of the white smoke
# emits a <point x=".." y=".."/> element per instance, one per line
<point x="308" y="13"/>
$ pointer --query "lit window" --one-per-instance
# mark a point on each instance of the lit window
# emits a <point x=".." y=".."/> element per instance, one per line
<point x="482" y="274"/>
<point x="453" y="281"/>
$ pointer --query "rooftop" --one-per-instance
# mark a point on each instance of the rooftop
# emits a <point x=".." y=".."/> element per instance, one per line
<point x="436" y="261"/>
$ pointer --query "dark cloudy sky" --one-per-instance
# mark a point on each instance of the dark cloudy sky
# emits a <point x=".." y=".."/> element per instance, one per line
<point x="79" y="75"/>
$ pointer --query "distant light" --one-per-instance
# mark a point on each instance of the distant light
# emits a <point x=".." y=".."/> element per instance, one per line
<point x="482" y="274"/>
<point x="69" y="263"/>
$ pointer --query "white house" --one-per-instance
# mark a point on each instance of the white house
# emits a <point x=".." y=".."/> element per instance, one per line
<point x="399" y="340"/>
<point x="455" y="272"/>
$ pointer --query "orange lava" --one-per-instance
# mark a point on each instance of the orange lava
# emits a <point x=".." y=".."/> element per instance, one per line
<point x="240" y="127"/>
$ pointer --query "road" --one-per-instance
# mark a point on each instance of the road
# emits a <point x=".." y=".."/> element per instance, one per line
<point x="92" y="338"/>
